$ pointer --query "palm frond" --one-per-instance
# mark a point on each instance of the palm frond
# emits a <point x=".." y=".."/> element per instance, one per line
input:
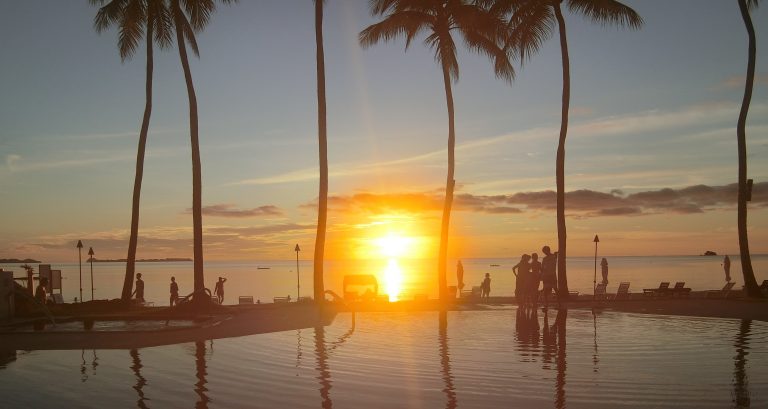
<point x="752" y="4"/>
<point x="159" y="17"/>
<point x="108" y="15"/>
<point x="530" y="25"/>
<point x="131" y="28"/>
<point x="406" y="23"/>
<point x="607" y="12"/>
<point x="445" y="53"/>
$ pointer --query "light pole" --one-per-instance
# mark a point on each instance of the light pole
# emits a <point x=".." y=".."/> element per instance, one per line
<point x="594" y="277"/>
<point x="298" y="286"/>
<point x="80" y="262"/>
<point x="91" y="253"/>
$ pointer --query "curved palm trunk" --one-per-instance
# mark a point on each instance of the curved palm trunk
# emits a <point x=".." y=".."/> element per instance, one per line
<point x="562" y="278"/>
<point x="322" y="136"/>
<point x="130" y="265"/>
<point x="449" y="184"/>
<point x="741" y="137"/>
<point x="197" y="214"/>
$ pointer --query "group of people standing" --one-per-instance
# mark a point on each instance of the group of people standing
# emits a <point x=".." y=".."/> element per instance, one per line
<point x="138" y="293"/>
<point x="530" y="271"/>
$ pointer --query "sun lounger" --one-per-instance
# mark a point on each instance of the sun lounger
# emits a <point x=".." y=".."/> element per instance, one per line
<point x="680" y="290"/>
<point x="277" y="300"/>
<point x="245" y="299"/>
<point x="723" y="293"/>
<point x="663" y="290"/>
<point x="623" y="291"/>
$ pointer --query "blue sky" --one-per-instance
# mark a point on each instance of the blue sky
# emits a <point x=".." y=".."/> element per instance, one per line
<point x="651" y="109"/>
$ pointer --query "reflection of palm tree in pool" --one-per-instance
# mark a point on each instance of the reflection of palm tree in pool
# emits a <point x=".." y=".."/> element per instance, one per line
<point x="445" y="361"/>
<point x="740" y="395"/>
<point x="201" y="373"/>
<point x="324" y="373"/>
<point x="140" y="380"/>
<point x="562" y="315"/>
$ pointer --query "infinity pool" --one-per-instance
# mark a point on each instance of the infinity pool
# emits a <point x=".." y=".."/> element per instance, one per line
<point x="469" y="359"/>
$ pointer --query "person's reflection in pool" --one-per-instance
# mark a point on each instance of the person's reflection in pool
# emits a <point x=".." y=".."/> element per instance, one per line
<point x="445" y="361"/>
<point x="201" y="373"/>
<point x="324" y="373"/>
<point x="140" y="381"/>
<point x="740" y="395"/>
<point x="527" y="333"/>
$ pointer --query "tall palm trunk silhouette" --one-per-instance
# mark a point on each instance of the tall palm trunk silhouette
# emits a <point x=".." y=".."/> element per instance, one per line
<point x="750" y="283"/>
<point x="322" y="138"/>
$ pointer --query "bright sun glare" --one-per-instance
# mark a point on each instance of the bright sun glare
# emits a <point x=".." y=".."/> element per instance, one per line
<point x="392" y="247"/>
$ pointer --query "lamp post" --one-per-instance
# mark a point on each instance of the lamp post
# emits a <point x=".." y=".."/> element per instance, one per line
<point x="297" y="249"/>
<point x="594" y="277"/>
<point x="80" y="262"/>
<point x="91" y="253"/>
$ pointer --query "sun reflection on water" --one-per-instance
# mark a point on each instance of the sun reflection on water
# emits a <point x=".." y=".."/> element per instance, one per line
<point x="393" y="278"/>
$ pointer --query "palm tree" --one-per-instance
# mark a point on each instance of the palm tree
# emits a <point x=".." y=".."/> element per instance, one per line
<point x="136" y="18"/>
<point x="188" y="17"/>
<point x="531" y="23"/>
<point x="745" y="185"/>
<point x="322" y="137"/>
<point x="437" y="18"/>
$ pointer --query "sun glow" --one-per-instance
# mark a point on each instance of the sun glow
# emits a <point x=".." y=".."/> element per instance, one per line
<point x="393" y="278"/>
<point x="393" y="246"/>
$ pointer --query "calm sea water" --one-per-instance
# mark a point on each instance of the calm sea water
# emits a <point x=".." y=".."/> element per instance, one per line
<point x="406" y="278"/>
<point x="464" y="359"/>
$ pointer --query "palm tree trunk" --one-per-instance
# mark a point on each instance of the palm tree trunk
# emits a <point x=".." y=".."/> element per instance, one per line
<point x="197" y="214"/>
<point x="741" y="137"/>
<point x="130" y="265"/>
<point x="449" y="185"/>
<point x="562" y="278"/>
<point x="322" y="135"/>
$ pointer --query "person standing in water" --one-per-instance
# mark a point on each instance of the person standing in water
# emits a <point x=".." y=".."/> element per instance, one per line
<point x="727" y="268"/>
<point x="604" y="270"/>
<point x="533" y="290"/>
<point x="486" y="287"/>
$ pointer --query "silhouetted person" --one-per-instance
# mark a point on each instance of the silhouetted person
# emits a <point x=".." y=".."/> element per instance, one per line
<point x="548" y="273"/>
<point x="485" y="287"/>
<point x="604" y="270"/>
<point x="522" y="272"/>
<point x="174" y="292"/>
<point x="139" y="292"/>
<point x="533" y="288"/>
<point x="41" y="294"/>
<point x="727" y="268"/>
<point x="219" y="290"/>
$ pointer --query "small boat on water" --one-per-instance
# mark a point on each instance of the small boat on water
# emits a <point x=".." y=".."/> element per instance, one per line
<point x="262" y="268"/>
<point x="115" y="332"/>
<point x="495" y="265"/>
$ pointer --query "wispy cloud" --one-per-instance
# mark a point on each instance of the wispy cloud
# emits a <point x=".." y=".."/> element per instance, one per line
<point x="17" y="164"/>
<point x="737" y="81"/>
<point x="229" y="210"/>
<point x="652" y="121"/>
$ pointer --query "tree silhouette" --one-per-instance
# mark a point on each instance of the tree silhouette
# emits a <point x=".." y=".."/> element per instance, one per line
<point x="136" y="19"/>
<point x="531" y="23"/>
<point x="480" y="30"/>
<point x="750" y="283"/>
<point x="322" y="139"/>
<point x="190" y="16"/>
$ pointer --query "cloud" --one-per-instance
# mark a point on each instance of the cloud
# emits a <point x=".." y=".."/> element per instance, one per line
<point x="581" y="203"/>
<point x="737" y="81"/>
<point x="15" y="163"/>
<point x="229" y="210"/>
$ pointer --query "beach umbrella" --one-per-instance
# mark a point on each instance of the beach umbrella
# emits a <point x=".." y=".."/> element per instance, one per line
<point x="80" y="262"/>
<point x="91" y="253"/>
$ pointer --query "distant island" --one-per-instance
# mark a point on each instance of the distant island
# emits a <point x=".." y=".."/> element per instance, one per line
<point x="15" y="260"/>
<point x="143" y="260"/>
<point x="709" y="253"/>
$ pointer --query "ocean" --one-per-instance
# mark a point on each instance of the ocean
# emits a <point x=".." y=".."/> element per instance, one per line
<point x="401" y="279"/>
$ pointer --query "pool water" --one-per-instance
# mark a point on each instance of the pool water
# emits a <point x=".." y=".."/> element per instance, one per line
<point x="505" y="357"/>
